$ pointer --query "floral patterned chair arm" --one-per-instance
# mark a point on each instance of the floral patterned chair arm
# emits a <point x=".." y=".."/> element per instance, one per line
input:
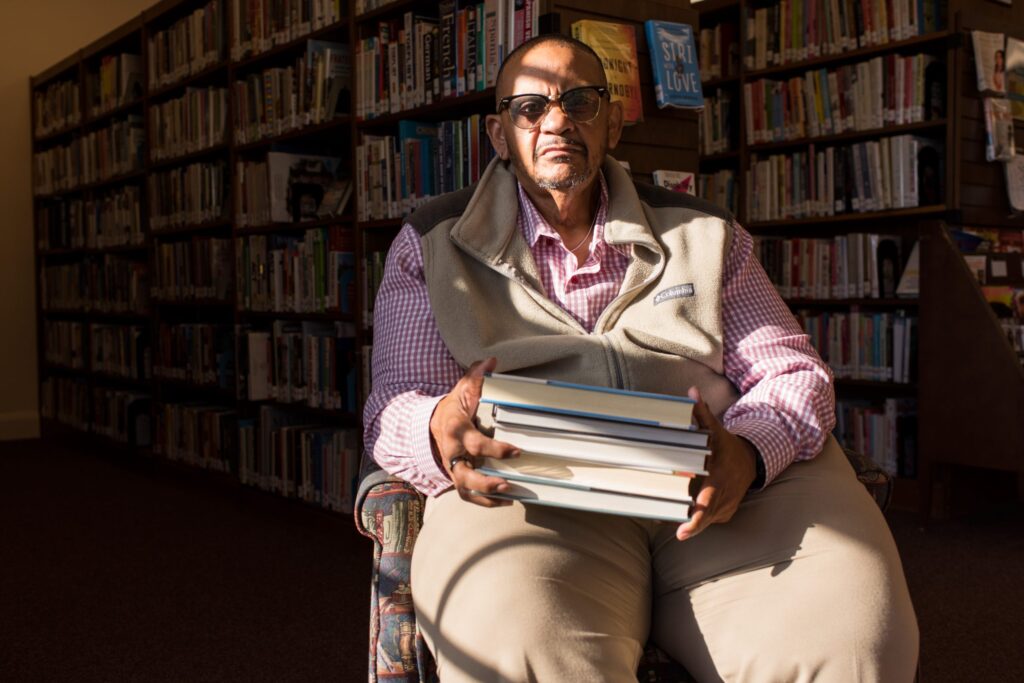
<point x="389" y="511"/>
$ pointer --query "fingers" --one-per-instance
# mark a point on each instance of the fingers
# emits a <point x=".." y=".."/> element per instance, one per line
<point x="701" y="513"/>
<point x="470" y="484"/>
<point x="701" y="412"/>
<point x="473" y="382"/>
<point x="456" y="435"/>
<point x="459" y="436"/>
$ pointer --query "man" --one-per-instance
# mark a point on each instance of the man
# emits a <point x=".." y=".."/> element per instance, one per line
<point x="556" y="265"/>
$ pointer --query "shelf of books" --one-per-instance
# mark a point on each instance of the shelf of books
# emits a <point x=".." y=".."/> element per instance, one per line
<point x="216" y="186"/>
<point x="196" y="244"/>
<point x="850" y="126"/>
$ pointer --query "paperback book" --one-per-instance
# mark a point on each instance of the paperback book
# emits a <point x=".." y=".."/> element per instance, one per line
<point x="1015" y="76"/>
<point x="998" y="130"/>
<point x="615" y="44"/>
<point x="677" y="81"/>
<point x="677" y="181"/>
<point x="990" y="60"/>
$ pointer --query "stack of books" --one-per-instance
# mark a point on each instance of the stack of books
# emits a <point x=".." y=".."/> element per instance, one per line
<point x="593" y="448"/>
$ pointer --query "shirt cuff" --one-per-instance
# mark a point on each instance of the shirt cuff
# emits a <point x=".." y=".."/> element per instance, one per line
<point x="772" y="442"/>
<point x="434" y="475"/>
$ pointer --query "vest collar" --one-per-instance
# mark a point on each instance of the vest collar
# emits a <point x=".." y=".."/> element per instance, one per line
<point x="487" y="227"/>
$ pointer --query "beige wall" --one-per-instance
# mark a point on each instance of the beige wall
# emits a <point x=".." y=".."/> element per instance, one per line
<point x="34" y="34"/>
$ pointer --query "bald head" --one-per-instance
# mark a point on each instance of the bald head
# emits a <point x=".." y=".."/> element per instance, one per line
<point x="511" y="66"/>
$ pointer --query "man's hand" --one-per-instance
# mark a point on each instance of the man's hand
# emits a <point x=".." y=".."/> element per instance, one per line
<point x="731" y="470"/>
<point x="454" y="434"/>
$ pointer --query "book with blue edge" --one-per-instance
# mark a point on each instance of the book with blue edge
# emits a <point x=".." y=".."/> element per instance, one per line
<point x="593" y="448"/>
<point x="584" y="400"/>
<point x="674" y="65"/>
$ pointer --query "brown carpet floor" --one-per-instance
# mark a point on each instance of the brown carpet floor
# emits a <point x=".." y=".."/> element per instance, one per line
<point x="113" y="569"/>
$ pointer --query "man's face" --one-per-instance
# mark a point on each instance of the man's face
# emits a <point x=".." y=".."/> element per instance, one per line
<point x="558" y="154"/>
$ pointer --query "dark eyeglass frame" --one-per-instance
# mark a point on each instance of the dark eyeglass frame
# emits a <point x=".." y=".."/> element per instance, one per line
<point x="506" y="102"/>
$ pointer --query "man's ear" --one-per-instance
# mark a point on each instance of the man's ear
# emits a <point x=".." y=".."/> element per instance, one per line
<point x="496" y="132"/>
<point x="615" y="120"/>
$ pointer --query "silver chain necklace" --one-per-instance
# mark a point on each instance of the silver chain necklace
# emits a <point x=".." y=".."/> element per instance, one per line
<point x="585" y="237"/>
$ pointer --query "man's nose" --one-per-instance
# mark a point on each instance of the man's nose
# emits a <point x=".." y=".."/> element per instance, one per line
<point x="555" y="121"/>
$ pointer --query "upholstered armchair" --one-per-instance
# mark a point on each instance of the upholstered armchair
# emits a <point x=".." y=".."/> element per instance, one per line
<point x="390" y="511"/>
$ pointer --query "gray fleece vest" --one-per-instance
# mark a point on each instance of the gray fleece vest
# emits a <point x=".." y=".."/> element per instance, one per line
<point x="662" y="333"/>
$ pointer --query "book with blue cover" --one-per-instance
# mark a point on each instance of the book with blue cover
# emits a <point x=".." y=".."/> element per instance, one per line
<point x="567" y="398"/>
<point x="674" y="65"/>
<point x="593" y="448"/>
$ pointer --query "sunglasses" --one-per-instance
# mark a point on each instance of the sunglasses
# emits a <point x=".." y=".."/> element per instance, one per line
<point x="580" y="105"/>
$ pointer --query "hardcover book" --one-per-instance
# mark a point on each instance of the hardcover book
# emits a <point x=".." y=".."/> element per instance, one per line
<point x="539" y="493"/>
<point x="615" y="44"/>
<point x="674" y="65"/>
<point x="677" y="181"/>
<point x="586" y="426"/>
<point x="591" y="448"/>
<point x="582" y="474"/>
<point x="584" y="400"/>
<point x="559" y="445"/>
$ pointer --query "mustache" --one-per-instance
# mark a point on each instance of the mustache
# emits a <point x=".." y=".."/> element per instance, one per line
<point x="561" y="142"/>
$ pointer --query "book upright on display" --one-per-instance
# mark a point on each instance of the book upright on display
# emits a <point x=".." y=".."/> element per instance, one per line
<point x="677" y="181"/>
<point x="677" y="80"/>
<point x="298" y="183"/>
<point x="998" y="130"/>
<point x="1015" y="76"/>
<point x="593" y="448"/>
<point x="990" y="60"/>
<point x="615" y="44"/>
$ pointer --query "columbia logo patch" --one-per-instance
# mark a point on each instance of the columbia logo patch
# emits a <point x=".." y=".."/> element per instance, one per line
<point x="677" y="292"/>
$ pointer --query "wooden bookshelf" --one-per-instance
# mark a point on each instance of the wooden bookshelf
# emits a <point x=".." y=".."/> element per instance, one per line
<point x="667" y="139"/>
<point x="962" y="353"/>
<point x="669" y="134"/>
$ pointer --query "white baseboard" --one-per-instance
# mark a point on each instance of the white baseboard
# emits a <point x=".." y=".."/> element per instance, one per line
<point x="22" y="424"/>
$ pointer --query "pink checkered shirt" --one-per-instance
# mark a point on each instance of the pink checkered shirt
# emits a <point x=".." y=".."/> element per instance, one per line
<point x="786" y="410"/>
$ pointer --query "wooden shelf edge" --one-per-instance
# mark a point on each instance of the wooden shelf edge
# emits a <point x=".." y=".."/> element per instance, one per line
<point x="270" y="228"/>
<point x="849" y="55"/>
<point x="190" y="228"/>
<point x="383" y="10"/>
<point x="166" y="162"/>
<point x="315" y="316"/>
<point x="335" y="123"/>
<point x="933" y="209"/>
<point x="161" y="91"/>
<point x="252" y="60"/>
<point x="865" y="302"/>
<point x="93" y="251"/>
<point x="886" y="131"/>
<point x="444" y="105"/>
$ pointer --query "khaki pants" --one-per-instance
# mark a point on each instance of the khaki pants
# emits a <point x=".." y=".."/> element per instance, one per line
<point x="803" y="583"/>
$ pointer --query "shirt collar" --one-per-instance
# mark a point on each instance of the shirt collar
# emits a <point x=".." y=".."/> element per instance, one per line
<point x="533" y="225"/>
